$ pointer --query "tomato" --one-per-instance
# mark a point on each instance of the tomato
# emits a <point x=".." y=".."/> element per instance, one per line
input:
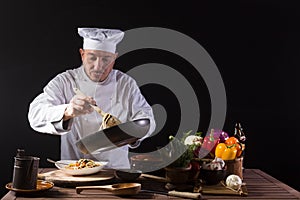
<point x="229" y="153"/>
<point x="220" y="149"/>
<point x="231" y="141"/>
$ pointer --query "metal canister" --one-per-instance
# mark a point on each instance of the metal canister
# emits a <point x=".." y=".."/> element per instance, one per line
<point x="25" y="172"/>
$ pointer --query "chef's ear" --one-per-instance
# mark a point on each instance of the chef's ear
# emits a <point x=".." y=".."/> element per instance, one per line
<point x="81" y="51"/>
<point x="116" y="55"/>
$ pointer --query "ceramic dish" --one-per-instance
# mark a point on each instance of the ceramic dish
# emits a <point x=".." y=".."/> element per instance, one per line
<point x="41" y="186"/>
<point x="62" y="165"/>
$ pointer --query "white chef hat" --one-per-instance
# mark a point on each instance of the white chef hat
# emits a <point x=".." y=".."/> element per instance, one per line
<point x="101" y="39"/>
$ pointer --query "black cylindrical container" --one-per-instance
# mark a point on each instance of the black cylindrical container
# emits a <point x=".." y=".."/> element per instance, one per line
<point x="25" y="172"/>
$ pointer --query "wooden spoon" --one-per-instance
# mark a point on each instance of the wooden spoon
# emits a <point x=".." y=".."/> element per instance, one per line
<point x="121" y="189"/>
<point x="107" y="119"/>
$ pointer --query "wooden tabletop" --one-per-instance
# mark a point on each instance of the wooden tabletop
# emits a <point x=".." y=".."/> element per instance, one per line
<point x="259" y="186"/>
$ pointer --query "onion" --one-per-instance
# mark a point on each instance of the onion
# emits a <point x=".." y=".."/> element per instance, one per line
<point x="234" y="182"/>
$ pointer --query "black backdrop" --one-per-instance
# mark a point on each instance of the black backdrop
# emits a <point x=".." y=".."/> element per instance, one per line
<point x="255" y="45"/>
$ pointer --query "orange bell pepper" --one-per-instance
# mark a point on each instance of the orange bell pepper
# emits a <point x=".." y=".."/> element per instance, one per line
<point x="232" y="140"/>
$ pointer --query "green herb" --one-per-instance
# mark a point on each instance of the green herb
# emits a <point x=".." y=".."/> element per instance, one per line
<point x="185" y="152"/>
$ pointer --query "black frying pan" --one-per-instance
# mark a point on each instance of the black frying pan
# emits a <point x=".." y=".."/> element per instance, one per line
<point x="114" y="137"/>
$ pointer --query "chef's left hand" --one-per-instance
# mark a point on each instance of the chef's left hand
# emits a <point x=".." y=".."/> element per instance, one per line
<point x="79" y="105"/>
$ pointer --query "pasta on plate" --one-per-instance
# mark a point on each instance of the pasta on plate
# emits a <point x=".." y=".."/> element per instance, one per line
<point x="80" y="167"/>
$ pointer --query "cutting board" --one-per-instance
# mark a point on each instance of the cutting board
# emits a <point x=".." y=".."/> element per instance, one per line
<point x="220" y="189"/>
<point x="59" y="178"/>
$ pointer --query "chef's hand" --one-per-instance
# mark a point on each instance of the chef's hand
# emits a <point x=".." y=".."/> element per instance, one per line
<point x="79" y="105"/>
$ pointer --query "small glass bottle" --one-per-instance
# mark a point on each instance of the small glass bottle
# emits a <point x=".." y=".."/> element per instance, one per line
<point x="240" y="135"/>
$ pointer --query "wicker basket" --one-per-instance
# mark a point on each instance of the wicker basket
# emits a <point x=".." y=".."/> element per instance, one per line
<point x="235" y="167"/>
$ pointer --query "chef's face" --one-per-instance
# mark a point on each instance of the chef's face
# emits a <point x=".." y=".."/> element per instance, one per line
<point x="97" y="64"/>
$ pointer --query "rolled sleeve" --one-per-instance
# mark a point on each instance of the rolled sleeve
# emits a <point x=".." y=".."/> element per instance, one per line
<point x="58" y="121"/>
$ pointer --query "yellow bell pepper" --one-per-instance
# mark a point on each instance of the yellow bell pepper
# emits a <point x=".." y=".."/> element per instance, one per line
<point x="226" y="152"/>
<point x="220" y="149"/>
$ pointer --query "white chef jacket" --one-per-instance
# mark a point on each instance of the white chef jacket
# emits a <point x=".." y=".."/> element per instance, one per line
<point x="118" y="95"/>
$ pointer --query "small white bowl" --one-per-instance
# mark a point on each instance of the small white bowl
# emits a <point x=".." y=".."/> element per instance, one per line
<point x="62" y="164"/>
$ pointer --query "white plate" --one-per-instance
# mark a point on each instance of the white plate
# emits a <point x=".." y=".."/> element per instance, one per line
<point x="84" y="171"/>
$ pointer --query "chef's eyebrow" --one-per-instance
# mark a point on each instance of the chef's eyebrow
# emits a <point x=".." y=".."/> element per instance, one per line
<point x="91" y="54"/>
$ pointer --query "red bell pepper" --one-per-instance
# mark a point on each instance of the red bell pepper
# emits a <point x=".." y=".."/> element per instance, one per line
<point x="210" y="142"/>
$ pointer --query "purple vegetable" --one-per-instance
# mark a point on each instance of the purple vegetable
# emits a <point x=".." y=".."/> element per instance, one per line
<point x="221" y="134"/>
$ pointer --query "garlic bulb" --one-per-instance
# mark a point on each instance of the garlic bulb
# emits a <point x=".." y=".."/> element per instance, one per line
<point x="234" y="182"/>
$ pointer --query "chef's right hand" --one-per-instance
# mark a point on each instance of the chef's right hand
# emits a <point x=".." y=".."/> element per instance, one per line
<point x="79" y="105"/>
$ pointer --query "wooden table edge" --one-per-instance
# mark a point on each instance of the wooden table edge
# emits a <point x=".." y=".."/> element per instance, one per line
<point x="277" y="182"/>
